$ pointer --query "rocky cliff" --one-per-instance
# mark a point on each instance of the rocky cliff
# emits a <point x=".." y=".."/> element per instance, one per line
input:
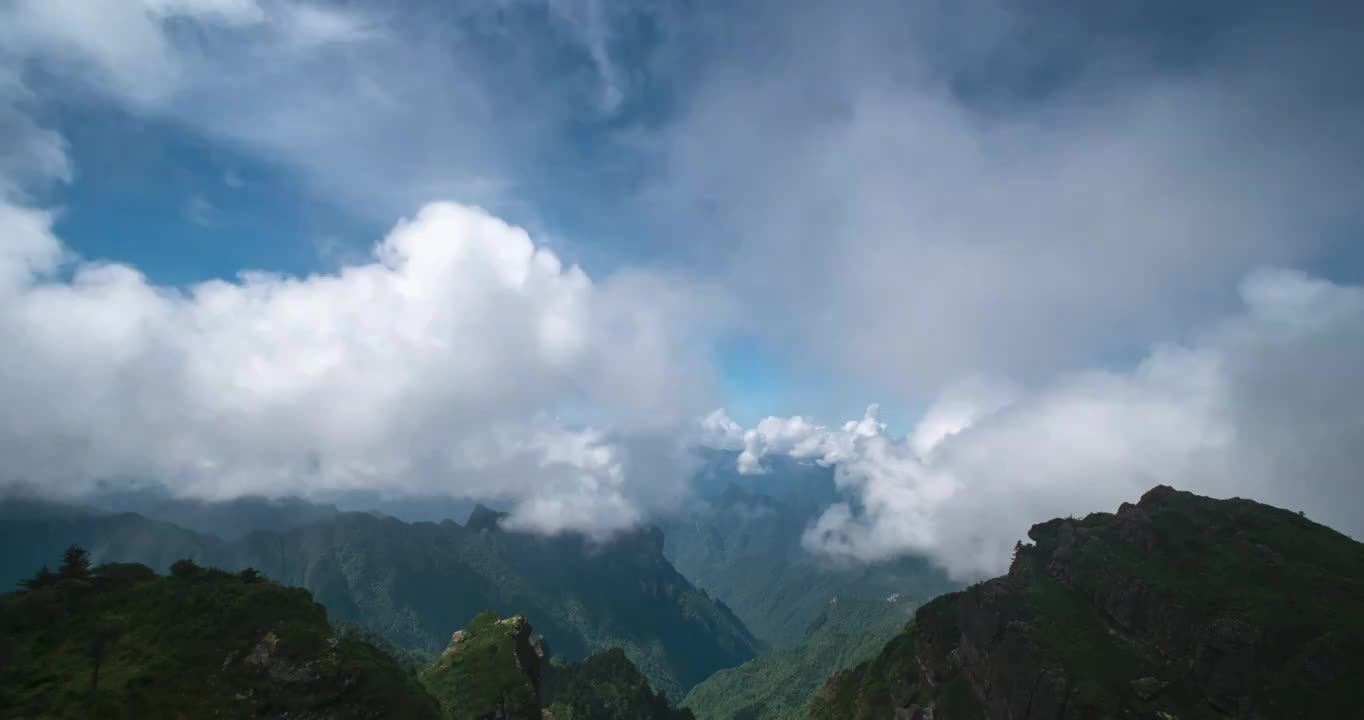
<point x="1179" y="606"/>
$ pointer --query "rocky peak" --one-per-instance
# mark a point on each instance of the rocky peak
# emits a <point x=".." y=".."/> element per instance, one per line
<point x="491" y="670"/>
<point x="1176" y="606"/>
<point x="483" y="517"/>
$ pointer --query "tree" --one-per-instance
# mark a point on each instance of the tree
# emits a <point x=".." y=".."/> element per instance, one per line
<point x="185" y="568"/>
<point x="41" y="579"/>
<point x="75" y="563"/>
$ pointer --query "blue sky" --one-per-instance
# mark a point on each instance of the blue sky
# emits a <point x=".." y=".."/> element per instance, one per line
<point x="995" y="209"/>
<point x="194" y="209"/>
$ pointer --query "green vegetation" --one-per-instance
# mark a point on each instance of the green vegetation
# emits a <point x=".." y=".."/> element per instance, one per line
<point x="118" y="641"/>
<point x="781" y="684"/>
<point x="412" y="582"/>
<point x="864" y="693"/>
<point x="1179" y="606"/>
<point x="491" y="669"/>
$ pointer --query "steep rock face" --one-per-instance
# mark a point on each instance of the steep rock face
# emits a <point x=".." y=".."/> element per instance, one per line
<point x="1178" y="606"/>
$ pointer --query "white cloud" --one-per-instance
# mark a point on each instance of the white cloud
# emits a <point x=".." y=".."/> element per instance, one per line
<point x="796" y="436"/>
<point x="959" y="406"/>
<point x="719" y="430"/>
<point x="124" y="48"/>
<point x="443" y="365"/>
<point x="1266" y="405"/>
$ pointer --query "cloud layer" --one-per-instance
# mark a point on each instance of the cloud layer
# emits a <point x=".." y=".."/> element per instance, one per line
<point x="1264" y="404"/>
<point x="449" y="363"/>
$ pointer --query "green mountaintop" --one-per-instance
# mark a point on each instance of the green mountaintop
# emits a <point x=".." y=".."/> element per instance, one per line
<point x="780" y="685"/>
<point x="1179" y="606"/>
<point x="119" y="641"/>
<point x="491" y="669"/>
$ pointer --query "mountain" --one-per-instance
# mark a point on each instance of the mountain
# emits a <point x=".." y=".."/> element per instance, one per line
<point x="225" y="519"/>
<point x="780" y="685"/>
<point x="413" y="582"/>
<point x="34" y="531"/>
<point x="1179" y="606"/>
<point x="120" y="642"/>
<point x="743" y="546"/>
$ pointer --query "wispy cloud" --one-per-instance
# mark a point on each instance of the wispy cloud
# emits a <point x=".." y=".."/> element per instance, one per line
<point x="198" y="210"/>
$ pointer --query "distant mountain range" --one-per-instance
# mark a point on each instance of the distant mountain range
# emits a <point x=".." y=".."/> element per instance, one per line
<point x="742" y="544"/>
<point x="413" y="582"/>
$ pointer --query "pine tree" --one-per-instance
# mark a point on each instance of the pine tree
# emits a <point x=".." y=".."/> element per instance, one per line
<point x="43" y="578"/>
<point x="75" y="563"/>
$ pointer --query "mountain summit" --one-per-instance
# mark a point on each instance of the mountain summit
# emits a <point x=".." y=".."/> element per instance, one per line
<point x="1179" y="606"/>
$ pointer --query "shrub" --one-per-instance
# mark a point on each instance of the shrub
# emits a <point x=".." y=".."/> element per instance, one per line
<point x="185" y="568"/>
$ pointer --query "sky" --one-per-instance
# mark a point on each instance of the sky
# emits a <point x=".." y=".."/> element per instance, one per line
<point x="994" y="260"/>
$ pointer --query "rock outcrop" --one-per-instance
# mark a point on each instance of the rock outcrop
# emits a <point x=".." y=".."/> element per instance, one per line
<point x="1179" y="606"/>
<point x="491" y="670"/>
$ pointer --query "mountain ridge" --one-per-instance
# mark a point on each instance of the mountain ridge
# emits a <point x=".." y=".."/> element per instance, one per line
<point x="411" y="582"/>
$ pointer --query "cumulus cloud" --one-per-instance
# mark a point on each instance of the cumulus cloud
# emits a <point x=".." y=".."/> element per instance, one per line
<point x="1264" y="404"/>
<point x="461" y="359"/>
<point x="797" y="437"/>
